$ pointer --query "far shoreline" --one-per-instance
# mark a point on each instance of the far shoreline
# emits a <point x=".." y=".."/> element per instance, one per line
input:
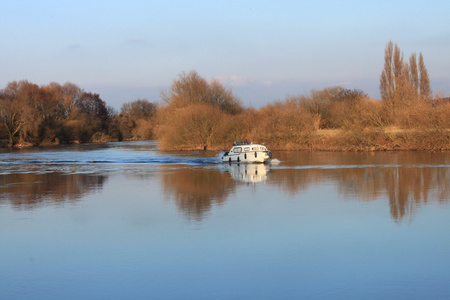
<point x="336" y="140"/>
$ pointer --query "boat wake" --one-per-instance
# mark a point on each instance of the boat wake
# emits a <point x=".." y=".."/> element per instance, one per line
<point x="274" y="162"/>
<point x="128" y="161"/>
<point x="119" y="156"/>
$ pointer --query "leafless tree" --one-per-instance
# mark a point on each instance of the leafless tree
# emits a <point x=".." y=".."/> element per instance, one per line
<point x="401" y="83"/>
<point x="190" y="88"/>
<point x="425" y="89"/>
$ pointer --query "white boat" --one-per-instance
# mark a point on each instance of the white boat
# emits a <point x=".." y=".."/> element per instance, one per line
<point x="247" y="152"/>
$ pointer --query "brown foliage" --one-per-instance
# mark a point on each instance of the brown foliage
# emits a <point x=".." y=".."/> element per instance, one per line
<point x="10" y="116"/>
<point x="402" y="84"/>
<point x="191" y="89"/>
<point x="284" y="125"/>
<point x="304" y="122"/>
<point x="198" y="114"/>
<point x="139" y="109"/>
<point x="136" y="121"/>
<point x="205" y="115"/>
<point x="331" y="104"/>
<point x="143" y="130"/>
<point x="83" y="129"/>
<point x="191" y="127"/>
<point x="42" y="115"/>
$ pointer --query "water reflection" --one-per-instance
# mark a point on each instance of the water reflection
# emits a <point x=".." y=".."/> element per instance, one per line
<point x="248" y="173"/>
<point x="196" y="190"/>
<point x="407" y="188"/>
<point x="408" y="180"/>
<point x="29" y="190"/>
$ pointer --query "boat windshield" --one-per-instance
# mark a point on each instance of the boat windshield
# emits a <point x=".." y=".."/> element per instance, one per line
<point x="242" y="142"/>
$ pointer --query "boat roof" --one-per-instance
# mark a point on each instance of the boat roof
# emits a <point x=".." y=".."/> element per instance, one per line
<point x="246" y="143"/>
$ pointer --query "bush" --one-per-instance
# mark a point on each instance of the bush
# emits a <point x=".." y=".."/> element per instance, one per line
<point x="192" y="127"/>
<point x="100" y="137"/>
<point x="191" y="89"/>
<point x="143" y="130"/>
<point x="82" y="130"/>
<point x="285" y="125"/>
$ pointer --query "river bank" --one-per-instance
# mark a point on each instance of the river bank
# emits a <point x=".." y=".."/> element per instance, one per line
<point x="390" y="139"/>
<point x="339" y="140"/>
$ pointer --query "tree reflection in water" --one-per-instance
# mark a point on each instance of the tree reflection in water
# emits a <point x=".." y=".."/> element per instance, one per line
<point x="29" y="190"/>
<point x="196" y="190"/>
<point x="399" y="178"/>
<point x="406" y="183"/>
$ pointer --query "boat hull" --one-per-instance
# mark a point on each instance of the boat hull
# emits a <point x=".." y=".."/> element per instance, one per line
<point x="249" y="157"/>
<point x="247" y="152"/>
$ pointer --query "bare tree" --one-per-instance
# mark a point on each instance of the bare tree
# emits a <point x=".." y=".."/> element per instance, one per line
<point x="190" y="88"/>
<point x="425" y="89"/>
<point x="414" y="73"/>
<point x="402" y="83"/>
<point x="139" y="109"/>
<point x="387" y="79"/>
<point x="10" y="118"/>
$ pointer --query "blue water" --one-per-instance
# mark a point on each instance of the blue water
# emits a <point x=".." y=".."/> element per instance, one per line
<point x="108" y="153"/>
<point x="125" y="220"/>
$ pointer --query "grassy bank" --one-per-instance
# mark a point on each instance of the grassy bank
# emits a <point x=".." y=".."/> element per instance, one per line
<point x="375" y="140"/>
<point x="358" y="140"/>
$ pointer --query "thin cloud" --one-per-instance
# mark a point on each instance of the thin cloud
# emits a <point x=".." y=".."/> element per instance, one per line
<point x="73" y="47"/>
<point x="241" y="81"/>
<point x="135" y="41"/>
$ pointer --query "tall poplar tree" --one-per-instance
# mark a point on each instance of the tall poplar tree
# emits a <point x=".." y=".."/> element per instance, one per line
<point x="425" y="89"/>
<point x="387" y="77"/>
<point x="402" y="83"/>
<point x="391" y="77"/>
<point x="414" y="73"/>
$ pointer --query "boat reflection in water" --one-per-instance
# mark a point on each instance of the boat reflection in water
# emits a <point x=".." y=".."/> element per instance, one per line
<point x="249" y="173"/>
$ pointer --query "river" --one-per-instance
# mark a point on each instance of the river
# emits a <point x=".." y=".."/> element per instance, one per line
<point x="127" y="221"/>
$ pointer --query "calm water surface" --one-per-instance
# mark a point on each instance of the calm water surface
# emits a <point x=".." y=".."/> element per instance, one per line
<point x="126" y="221"/>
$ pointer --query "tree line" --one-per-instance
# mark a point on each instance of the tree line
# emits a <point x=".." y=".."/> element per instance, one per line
<point x="199" y="114"/>
<point x="54" y="113"/>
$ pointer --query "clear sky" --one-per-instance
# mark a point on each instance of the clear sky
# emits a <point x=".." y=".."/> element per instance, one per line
<point x="262" y="50"/>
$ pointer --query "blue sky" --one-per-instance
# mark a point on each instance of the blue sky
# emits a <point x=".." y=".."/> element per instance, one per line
<point x="262" y="50"/>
